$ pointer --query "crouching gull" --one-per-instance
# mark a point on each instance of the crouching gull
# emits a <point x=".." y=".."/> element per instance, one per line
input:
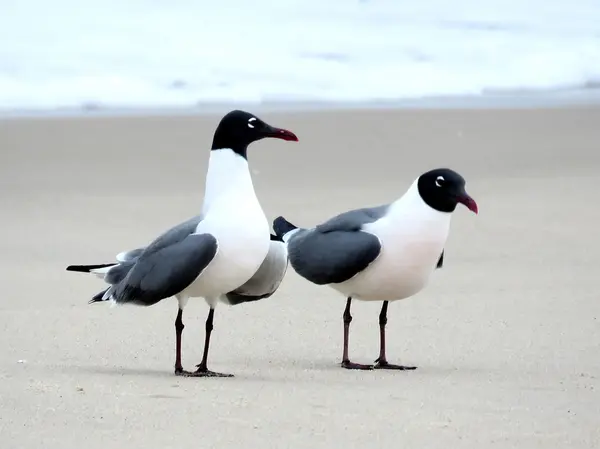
<point x="383" y="253"/>
<point x="226" y="253"/>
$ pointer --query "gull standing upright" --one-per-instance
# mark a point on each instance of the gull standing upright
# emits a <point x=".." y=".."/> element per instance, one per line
<point x="383" y="253"/>
<point x="226" y="253"/>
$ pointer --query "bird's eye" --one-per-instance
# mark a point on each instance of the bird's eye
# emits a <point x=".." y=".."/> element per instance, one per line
<point x="250" y="120"/>
<point x="439" y="181"/>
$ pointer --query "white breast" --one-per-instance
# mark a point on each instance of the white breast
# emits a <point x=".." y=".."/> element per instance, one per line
<point x="413" y="236"/>
<point x="235" y="217"/>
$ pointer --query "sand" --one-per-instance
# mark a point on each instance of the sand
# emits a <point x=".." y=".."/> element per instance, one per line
<point x="506" y="337"/>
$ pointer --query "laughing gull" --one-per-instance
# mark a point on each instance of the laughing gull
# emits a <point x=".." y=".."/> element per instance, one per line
<point x="383" y="253"/>
<point x="223" y="254"/>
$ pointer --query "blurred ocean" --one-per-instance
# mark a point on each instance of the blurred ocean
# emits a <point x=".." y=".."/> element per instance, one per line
<point x="181" y="53"/>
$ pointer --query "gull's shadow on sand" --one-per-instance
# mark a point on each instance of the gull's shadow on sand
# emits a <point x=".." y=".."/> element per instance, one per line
<point x="253" y="371"/>
<point x="282" y="370"/>
<point x="122" y="371"/>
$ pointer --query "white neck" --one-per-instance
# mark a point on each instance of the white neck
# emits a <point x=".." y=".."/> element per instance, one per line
<point x="412" y="207"/>
<point x="227" y="172"/>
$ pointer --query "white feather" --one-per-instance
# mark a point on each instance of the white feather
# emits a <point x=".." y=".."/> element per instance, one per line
<point x="289" y="235"/>
<point x="122" y="257"/>
<point x="101" y="272"/>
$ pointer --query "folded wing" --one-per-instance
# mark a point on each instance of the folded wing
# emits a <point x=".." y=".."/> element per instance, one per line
<point x="166" y="271"/>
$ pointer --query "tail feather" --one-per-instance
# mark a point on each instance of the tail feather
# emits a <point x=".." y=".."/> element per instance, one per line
<point x="89" y="268"/>
<point x="101" y="270"/>
<point x="281" y="227"/>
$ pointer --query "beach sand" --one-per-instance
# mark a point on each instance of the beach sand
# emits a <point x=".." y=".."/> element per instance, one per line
<point x="506" y="337"/>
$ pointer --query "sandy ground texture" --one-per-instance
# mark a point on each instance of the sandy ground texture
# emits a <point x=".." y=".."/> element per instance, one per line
<point x="506" y="337"/>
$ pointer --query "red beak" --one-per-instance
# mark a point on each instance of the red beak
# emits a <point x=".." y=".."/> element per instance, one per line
<point x="469" y="203"/>
<point x="280" y="133"/>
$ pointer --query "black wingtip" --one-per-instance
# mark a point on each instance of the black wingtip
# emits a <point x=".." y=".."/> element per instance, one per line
<point x="440" y="262"/>
<point x="88" y="268"/>
<point x="98" y="297"/>
<point x="281" y="226"/>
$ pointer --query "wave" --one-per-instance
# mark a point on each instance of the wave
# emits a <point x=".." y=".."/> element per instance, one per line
<point x="146" y="53"/>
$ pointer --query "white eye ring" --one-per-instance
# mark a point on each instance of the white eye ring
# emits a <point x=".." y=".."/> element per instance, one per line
<point x="439" y="180"/>
<point x="250" y="125"/>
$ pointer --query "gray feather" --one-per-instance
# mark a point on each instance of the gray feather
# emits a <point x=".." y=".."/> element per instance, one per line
<point x="166" y="270"/>
<point x="353" y="220"/>
<point x="129" y="256"/>
<point x="117" y="273"/>
<point x="338" y="249"/>
<point x="175" y="234"/>
<point x="170" y="263"/>
<point x="332" y="257"/>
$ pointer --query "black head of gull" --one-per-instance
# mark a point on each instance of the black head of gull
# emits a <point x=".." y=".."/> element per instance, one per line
<point x="443" y="189"/>
<point x="238" y="129"/>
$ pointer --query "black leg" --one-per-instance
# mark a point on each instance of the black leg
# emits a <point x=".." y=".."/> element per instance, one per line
<point x="209" y="329"/>
<point x="178" y="331"/>
<point x="346" y="363"/>
<point x="203" y="370"/>
<point x="381" y="362"/>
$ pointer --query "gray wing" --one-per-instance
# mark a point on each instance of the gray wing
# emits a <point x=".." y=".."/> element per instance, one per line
<point x="267" y="278"/>
<point x="338" y="249"/>
<point x="117" y="273"/>
<point x="353" y="220"/>
<point x="166" y="271"/>
<point x="175" y="234"/>
<point x="128" y="259"/>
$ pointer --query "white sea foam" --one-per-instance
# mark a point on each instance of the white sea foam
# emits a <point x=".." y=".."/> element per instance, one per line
<point x="151" y="53"/>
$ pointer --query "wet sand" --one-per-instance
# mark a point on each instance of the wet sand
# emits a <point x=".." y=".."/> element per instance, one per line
<point x="506" y="337"/>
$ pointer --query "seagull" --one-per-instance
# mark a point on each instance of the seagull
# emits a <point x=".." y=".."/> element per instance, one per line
<point x="224" y="254"/>
<point x="384" y="253"/>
